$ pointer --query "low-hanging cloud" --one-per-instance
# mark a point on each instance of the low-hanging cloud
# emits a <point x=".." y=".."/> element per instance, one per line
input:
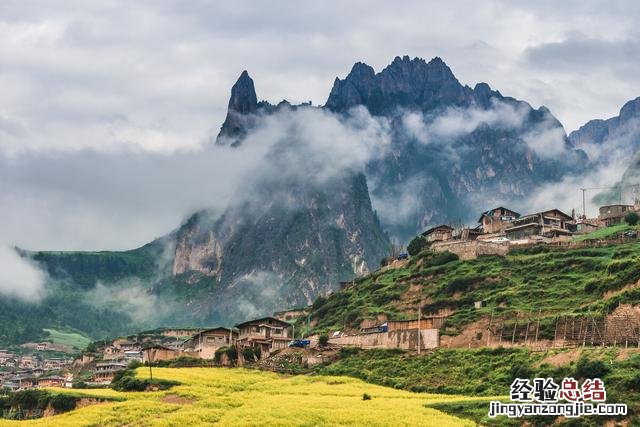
<point x="546" y="138"/>
<point x="19" y="277"/>
<point x="124" y="197"/>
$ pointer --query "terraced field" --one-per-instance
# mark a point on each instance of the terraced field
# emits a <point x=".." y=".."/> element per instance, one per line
<point x="247" y="397"/>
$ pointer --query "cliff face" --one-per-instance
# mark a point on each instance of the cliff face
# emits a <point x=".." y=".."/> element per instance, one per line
<point x="270" y="256"/>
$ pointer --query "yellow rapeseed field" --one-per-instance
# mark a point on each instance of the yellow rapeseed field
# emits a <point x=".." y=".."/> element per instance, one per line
<point x="232" y="397"/>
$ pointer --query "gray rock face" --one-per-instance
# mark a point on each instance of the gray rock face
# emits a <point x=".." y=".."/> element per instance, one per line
<point x="273" y="257"/>
<point x="623" y="129"/>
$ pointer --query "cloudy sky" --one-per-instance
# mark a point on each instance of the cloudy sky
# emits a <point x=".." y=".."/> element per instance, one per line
<point x="105" y="105"/>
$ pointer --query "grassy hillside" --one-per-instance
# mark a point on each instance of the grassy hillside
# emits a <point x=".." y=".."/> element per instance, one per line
<point x="606" y="233"/>
<point x="71" y="276"/>
<point x="67" y="338"/>
<point x="554" y="281"/>
<point x="243" y="397"/>
<point x="486" y="372"/>
<point x="85" y="268"/>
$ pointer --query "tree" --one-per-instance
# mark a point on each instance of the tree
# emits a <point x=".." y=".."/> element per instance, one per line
<point x="416" y="245"/>
<point x="631" y="218"/>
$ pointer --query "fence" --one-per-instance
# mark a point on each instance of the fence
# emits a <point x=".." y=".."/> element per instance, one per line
<point x="568" y="331"/>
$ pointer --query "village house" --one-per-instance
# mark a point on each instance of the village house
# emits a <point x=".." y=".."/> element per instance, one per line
<point x="584" y="226"/>
<point x="403" y="334"/>
<point x="157" y="353"/>
<point x="438" y="234"/>
<point x="497" y="219"/>
<point x="130" y="355"/>
<point x="426" y="322"/>
<point x="9" y="363"/>
<point x="180" y="332"/>
<point x="267" y="334"/>
<point x="53" y="381"/>
<point x="36" y="372"/>
<point x="54" y="363"/>
<point x="104" y="372"/>
<point x="24" y="381"/>
<point x="205" y="343"/>
<point x="471" y="233"/>
<point x="125" y="345"/>
<point x="10" y="384"/>
<point x="110" y="352"/>
<point x="551" y="223"/>
<point x="7" y="359"/>
<point x="613" y="214"/>
<point x="27" y="362"/>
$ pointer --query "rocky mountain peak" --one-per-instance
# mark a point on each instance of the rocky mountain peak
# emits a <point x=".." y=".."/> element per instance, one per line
<point x="630" y="110"/>
<point x="243" y="95"/>
<point x="242" y="103"/>
<point x="406" y="83"/>
<point x="598" y="131"/>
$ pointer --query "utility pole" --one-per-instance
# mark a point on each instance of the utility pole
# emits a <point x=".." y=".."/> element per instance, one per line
<point x="419" y="312"/>
<point x="149" y="362"/>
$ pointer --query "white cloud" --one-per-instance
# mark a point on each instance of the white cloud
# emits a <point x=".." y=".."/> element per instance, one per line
<point x="122" y="198"/>
<point x="20" y="278"/>
<point x="104" y="115"/>
<point x="456" y="121"/>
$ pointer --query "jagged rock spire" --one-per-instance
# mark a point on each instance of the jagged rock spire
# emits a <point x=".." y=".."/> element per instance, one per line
<point x="242" y="104"/>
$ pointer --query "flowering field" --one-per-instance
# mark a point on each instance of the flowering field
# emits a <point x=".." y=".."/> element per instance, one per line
<point x="247" y="397"/>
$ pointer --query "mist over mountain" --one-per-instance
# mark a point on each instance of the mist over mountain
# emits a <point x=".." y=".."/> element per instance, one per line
<point x="613" y="146"/>
<point x="455" y="150"/>
<point x="389" y="154"/>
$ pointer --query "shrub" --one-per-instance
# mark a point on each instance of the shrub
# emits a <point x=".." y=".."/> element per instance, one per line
<point x="231" y="352"/>
<point x="323" y="340"/>
<point x="631" y="218"/>
<point x="586" y="368"/>
<point x="126" y="381"/>
<point x="462" y="283"/>
<point x="251" y="353"/>
<point x="416" y="245"/>
<point x="63" y="402"/>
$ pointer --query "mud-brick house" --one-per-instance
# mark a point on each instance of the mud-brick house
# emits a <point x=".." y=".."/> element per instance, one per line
<point x="53" y="381"/>
<point x="267" y="334"/>
<point x="104" y="372"/>
<point x="205" y="343"/>
<point x="497" y="219"/>
<point x="551" y="223"/>
<point x="157" y="353"/>
<point x="613" y="214"/>
<point x="439" y="233"/>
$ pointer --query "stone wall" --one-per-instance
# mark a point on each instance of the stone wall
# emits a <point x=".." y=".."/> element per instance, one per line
<point x="472" y="248"/>
<point x="407" y="339"/>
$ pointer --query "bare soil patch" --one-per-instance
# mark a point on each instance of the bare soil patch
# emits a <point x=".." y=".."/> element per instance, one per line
<point x="174" y="399"/>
